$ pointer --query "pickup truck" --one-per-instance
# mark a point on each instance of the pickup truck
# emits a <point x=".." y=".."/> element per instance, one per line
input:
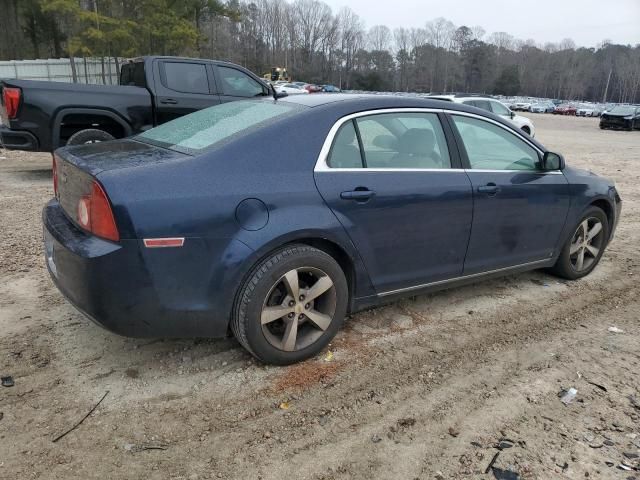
<point x="42" y="116"/>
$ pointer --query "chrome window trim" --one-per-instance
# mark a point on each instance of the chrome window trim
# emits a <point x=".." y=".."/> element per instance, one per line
<point x="322" y="166"/>
<point x="321" y="163"/>
<point x="462" y="277"/>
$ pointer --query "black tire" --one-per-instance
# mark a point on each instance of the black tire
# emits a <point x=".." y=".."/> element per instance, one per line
<point x="564" y="267"/>
<point x="89" y="135"/>
<point x="526" y="130"/>
<point x="257" y="289"/>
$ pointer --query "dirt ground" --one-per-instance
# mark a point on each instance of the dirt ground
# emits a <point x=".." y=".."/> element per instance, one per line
<point x="424" y="388"/>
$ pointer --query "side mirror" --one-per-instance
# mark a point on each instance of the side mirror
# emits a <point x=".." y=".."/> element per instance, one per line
<point x="552" y="161"/>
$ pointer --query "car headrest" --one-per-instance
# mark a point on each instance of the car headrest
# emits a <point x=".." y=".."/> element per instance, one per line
<point x="417" y="141"/>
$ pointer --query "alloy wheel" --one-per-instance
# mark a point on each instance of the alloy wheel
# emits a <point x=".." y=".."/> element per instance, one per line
<point x="298" y="309"/>
<point x="586" y="244"/>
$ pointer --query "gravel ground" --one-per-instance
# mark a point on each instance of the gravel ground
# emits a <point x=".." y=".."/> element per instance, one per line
<point x="424" y="388"/>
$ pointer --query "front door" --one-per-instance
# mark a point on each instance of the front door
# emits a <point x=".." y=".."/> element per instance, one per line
<point x="185" y="87"/>
<point x="399" y="193"/>
<point x="519" y="210"/>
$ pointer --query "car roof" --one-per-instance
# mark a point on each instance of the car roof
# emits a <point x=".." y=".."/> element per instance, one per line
<point x="365" y="101"/>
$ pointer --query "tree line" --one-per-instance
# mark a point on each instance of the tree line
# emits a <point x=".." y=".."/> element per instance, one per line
<point x="322" y="46"/>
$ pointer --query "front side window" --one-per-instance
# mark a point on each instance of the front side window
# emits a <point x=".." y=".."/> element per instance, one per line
<point x="239" y="84"/>
<point x="204" y="129"/>
<point x="403" y="140"/>
<point x="186" y="77"/>
<point x="490" y="147"/>
<point x="500" y="109"/>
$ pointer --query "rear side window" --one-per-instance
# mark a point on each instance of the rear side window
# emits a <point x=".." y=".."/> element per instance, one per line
<point x="207" y="128"/>
<point x="186" y="77"/>
<point x="404" y="140"/>
<point x="345" y="152"/>
<point x="132" y="74"/>
<point x="391" y="141"/>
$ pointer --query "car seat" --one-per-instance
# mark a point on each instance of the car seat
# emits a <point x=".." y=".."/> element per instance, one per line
<point x="416" y="149"/>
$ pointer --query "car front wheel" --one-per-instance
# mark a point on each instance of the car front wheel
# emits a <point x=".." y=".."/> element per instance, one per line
<point x="291" y="305"/>
<point x="583" y="250"/>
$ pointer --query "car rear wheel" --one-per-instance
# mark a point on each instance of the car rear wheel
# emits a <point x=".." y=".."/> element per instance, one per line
<point x="89" y="135"/>
<point x="291" y="305"/>
<point x="583" y="250"/>
<point x="526" y="130"/>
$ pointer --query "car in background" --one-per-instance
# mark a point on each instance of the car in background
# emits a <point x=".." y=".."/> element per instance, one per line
<point x="626" y="117"/>
<point x="588" y="110"/>
<point x="213" y="223"/>
<point x="542" y="107"/>
<point x="290" y="89"/>
<point x="565" y="109"/>
<point x="491" y="105"/>
<point x="312" y="88"/>
<point x="521" y="106"/>
<point x="42" y="116"/>
<point x="330" y="89"/>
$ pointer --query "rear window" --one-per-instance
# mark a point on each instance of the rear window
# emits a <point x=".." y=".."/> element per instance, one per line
<point x="205" y="129"/>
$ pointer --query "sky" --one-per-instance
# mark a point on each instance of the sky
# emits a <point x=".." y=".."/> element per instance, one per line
<point x="587" y="22"/>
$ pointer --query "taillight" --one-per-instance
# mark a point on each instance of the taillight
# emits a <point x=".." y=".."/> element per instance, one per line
<point x="11" y="100"/>
<point x="54" y="167"/>
<point x="94" y="214"/>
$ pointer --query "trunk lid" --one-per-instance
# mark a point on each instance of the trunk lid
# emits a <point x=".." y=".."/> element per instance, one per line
<point x="77" y="167"/>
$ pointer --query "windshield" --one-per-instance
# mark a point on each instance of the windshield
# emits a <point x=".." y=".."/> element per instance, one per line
<point x="623" y="110"/>
<point x="206" y="128"/>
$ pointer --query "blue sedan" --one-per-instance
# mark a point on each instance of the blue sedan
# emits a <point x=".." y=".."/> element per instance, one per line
<point x="275" y="218"/>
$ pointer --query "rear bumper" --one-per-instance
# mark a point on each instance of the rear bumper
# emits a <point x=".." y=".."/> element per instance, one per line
<point x="18" y="139"/>
<point x="140" y="292"/>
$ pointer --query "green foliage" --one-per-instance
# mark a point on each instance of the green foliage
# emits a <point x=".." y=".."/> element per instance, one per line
<point x="132" y="27"/>
<point x="508" y="82"/>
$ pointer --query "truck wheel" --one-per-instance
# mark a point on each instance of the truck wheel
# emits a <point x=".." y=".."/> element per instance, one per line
<point x="89" y="135"/>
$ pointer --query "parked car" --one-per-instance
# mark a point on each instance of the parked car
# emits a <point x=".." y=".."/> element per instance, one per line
<point x="290" y="89"/>
<point x="522" y="106"/>
<point x="330" y="89"/>
<point x="542" y="107"/>
<point x="625" y="117"/>
<point x="494" y="106"/>
<point x="42" y="116"/>
<point x="565" y="109"/>
<point x="312" y="88"/>
<point x="212" y="221"/>
<point x="588" y="110"/>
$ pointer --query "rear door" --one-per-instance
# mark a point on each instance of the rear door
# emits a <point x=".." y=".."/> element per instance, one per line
<point x="182" y="87"/>
<point x="519" y="210"/>
<point x="395" y="183"/>
<point x="235" y="84"/>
